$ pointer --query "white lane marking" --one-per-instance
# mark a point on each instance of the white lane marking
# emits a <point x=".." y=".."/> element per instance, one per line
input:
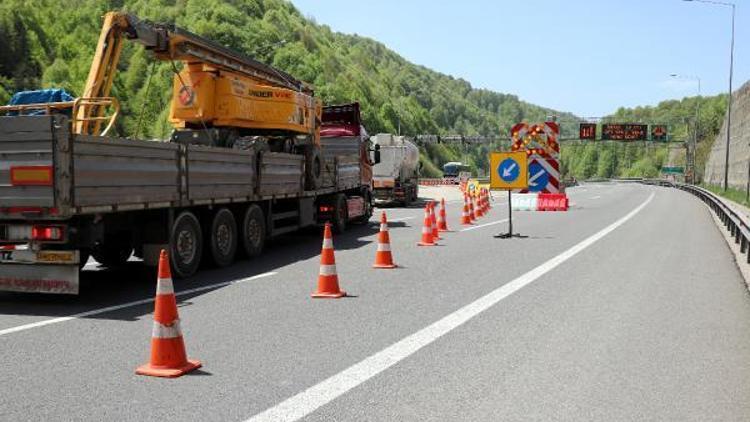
<point x="126" y="305"/>
<point x="400" y="219"/>
<point x="306" y="402"/>
<point x="484" y="225"/>
<point x="595" y="197"/>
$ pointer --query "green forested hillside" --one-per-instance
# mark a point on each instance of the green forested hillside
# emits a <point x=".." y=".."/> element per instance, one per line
<point x="592" y="159"/>
<point x="49" y="43"/>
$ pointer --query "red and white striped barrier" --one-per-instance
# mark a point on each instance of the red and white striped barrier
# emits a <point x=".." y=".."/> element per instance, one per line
<point x="539" y="202"/>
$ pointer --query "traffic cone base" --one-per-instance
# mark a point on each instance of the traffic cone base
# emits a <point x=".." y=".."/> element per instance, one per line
<point x="324" y="295"/>
<point x="166" y="372"/>
<point x="384" y="266"/>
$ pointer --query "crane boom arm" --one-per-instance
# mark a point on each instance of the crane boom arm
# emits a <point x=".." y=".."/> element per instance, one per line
<point x="168" y="43"/>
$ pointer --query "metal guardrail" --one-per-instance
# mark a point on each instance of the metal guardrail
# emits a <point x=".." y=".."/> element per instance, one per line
<point x="736" y="224"/>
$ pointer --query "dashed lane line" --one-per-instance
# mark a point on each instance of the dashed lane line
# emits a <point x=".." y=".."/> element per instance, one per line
<point x="483" y="225"/>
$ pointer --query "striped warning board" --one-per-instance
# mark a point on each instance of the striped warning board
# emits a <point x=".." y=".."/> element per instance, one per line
<point x="539" y="140"/>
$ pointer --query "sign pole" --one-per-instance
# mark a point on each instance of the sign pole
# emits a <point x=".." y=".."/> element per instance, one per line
<point x="510" y="217"/>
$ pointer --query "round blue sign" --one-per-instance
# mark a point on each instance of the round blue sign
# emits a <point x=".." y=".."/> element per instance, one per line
<point x="538" y="177"/>
<point x="508" y="170"/>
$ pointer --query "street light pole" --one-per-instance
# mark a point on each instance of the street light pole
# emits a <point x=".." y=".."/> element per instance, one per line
<point x="729" y="100"/>
<point x="691" y="155"/>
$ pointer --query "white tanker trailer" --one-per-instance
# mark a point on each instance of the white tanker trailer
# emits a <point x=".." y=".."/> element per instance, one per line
<point x="396" y="177"/>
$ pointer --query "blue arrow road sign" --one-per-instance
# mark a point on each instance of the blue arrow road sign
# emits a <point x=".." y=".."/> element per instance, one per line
<point x="538" y="177"/>
<point x="508" y="170"/>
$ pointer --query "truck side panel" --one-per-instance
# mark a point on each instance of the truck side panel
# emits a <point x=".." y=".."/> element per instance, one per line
<point x="219" y="174"/>
<point x="347" y="172"/>
<point x="25" y="141"/>
<point x="281" y="174"/>
<point x="110" y="171"/>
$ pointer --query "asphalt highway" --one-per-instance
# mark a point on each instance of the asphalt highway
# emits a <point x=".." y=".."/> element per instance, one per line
<point x="627" y="307"/>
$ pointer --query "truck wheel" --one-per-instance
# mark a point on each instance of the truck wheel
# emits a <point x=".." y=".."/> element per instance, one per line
<point x="111" y="255"/>
<point x="185" y="245"/>
<point x="368" y="209"/>
<point x="253" y="231"/>
<point x="84" y="255"/>
<point x="340" y="214"/>
<point x="313" y="168"/>
<point x="222" y="239"/>
<point x="114" y="250"/>
<point x="407" y="198"/>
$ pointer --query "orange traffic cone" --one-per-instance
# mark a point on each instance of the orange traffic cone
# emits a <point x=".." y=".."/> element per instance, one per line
<point x="168" y="357"/>
<point x="433" y="222"/>
<point x="328" y="279"/>
<point x="427" y="239"/>
<point x="472" y="212"/>
<point x="465" y="217"/>
<point x="483" y="201"/>
<point x="383" y="256"/>
<point x="442" y="220"/>
<point x="480" y="207"/>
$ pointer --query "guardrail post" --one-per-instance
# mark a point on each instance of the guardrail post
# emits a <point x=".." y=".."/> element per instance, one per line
<point x="736" y="234"/>
<point x="743" y="244"/>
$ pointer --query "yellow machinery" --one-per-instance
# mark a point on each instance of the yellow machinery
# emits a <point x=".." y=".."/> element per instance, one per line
<point x="217" y="87"/>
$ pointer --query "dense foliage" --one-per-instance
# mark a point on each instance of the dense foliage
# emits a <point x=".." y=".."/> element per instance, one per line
<point x="52" y="45"/>
<point x="645" y="159"/>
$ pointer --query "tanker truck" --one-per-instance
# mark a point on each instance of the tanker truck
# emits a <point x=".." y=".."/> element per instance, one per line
<point x="396" y="176"/>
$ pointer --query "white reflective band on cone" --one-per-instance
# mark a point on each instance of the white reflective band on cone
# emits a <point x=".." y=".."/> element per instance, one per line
<point x="327" y="243"/>
<point x="166" y="331"/>
<point x="426" y="229"/>
<point x="328" y="269"/>
<point x="164" y="286"/>
<point x="384" y="227"/>
<point x="383" y="247"/>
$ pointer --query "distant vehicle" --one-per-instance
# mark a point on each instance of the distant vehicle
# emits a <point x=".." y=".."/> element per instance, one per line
<point x="396" y="177"/>
<point x="453" y="169"/>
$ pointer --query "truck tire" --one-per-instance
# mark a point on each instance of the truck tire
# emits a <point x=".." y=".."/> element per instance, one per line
<point x="313" y="168"/>
<point x="407" y="198"/>
<point x="368" y="208"/>
<point x="84" y="254"/>
<point x="113" y="250"/>
<point x="185" y="245"/>
<point x="340" y="214"/>
<point x="222" y="238"/>
<point x="253" y="231"/>
<point x="113" y="255"/>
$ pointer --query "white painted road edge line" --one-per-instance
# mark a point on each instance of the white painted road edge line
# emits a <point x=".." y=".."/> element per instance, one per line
<point x="126" y="305"/>
<point x="483" y="225"/>
<point x="306" y="402"/>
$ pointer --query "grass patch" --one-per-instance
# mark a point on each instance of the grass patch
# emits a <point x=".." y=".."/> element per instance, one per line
<point x="737" y="195"/>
